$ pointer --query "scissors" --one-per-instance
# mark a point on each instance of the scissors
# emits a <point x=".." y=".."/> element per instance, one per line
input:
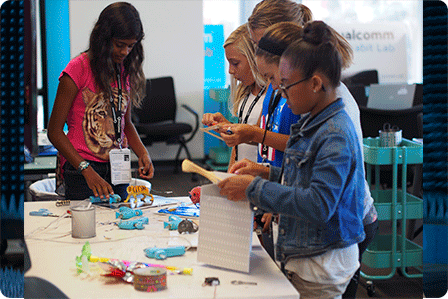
<point x="43" y="212"/>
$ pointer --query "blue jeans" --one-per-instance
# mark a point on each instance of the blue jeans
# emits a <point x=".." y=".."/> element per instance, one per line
<point x="76" y="187"/>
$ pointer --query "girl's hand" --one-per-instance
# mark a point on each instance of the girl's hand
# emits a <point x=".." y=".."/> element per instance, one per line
<point x="210" y="119"/>
<point x="145" y="167"/>
<point x="234" y="188"/>
<point x="234" y="134"/>
<point x="97" y="184"/>
<point x="246" y="166"/>
<point x="266" y="219"/>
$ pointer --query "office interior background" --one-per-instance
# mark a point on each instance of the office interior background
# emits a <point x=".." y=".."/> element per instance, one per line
<point x="176" y="40"/>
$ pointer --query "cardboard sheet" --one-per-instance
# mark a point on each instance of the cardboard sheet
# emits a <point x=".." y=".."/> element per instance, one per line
<point x="225" y="231"/>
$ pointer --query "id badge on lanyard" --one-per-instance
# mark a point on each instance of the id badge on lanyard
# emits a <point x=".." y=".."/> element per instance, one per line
<point x="120" y="166"/>
<point x="120" y="159"/>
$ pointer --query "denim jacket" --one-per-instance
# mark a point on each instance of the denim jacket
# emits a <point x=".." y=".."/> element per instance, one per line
<point x="320" y="201"/>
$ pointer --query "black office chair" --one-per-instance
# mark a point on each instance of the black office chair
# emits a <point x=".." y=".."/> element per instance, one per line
<point x="357" y="83"/>
<point x="155" y="120"/>
<point x="365" y="78"/>
<point x="358" y="92"/>
<point x="372" y="120"/>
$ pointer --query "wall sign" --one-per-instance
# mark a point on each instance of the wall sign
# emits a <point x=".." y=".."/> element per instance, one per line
<point x="380" y="46"/>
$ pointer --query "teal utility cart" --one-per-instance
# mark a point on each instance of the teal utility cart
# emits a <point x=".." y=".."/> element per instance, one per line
<point x="393" y="251"/>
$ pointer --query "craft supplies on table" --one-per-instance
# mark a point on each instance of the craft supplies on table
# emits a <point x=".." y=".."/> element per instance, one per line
<point x="163" y="253"/>
<point x="172" y="223"/>
<point x="185" y="273"/>
<point x="187" y="211"/>
<point x="150" y="279"/>
<point x="43" y="212"/>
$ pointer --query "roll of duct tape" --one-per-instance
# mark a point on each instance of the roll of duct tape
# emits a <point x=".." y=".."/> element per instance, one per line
<point x="150" y="279"/>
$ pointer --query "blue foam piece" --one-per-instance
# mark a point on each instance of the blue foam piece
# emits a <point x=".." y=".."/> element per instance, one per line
<point x="182" y="211"/>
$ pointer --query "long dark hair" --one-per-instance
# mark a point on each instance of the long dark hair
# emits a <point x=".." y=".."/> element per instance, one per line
<point x="118" y="20"/>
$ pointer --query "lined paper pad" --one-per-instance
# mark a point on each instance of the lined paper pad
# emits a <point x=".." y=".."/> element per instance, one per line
<point x="225" y="233"/>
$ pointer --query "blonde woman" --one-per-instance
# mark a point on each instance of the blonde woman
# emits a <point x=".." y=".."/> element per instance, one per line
<point x="269" y="12"/>
<point x="247" y="95"/>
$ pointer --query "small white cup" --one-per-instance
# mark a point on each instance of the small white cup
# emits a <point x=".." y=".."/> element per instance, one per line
<point x="83" y="222"/>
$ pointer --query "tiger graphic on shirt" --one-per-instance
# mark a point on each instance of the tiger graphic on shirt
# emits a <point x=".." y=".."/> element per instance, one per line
<point x="98" y="126"/>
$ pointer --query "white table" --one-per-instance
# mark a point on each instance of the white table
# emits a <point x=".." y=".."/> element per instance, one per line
<point x="53" y="251"/>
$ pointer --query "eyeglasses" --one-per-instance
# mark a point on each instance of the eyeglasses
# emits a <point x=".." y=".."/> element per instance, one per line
<point x="283" y="88"/>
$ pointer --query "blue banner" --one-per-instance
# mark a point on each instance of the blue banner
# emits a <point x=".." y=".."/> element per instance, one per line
<point x="214" y="75"/>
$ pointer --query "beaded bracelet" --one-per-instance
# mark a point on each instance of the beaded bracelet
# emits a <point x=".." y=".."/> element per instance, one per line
<point x="83" y="165"/>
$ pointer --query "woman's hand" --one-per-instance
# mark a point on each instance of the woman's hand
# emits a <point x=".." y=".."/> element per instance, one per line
<point x="234" y="188"/>
<point x="234" y="134"/>
<point x="97" y="184"/>
<point x="210" y="119"/>
<point x="145" y="167"/>
<point x="246" y="166"/>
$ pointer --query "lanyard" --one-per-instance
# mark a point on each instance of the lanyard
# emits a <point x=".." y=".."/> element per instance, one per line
<point x="116" y="113"/>
<point x="249" y="111"/>
<point x="273" y="102"/>
<point x="275" y="99"/>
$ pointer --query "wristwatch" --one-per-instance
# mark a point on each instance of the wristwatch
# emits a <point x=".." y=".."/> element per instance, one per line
<point x="83" y="165"/>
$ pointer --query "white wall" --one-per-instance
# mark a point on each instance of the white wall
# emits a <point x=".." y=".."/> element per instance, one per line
<point x="173" y="46"/>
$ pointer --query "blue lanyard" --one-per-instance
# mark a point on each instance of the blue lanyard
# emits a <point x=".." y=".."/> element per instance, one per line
<point x="273" y="102"/>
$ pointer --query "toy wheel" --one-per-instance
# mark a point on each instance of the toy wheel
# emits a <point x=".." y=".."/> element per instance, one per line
<point x="370" y="289"/>
<point x="184" y="226"/>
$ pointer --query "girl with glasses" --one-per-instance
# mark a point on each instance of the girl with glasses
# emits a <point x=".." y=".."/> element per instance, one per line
<point x="274" y="41"/>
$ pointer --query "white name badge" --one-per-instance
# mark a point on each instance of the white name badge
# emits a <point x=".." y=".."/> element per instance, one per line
<point x="120" y="165"/>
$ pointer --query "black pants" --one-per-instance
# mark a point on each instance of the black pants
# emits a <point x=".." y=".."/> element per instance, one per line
<point x="370" y="231"/>
<point x="76" y="187"/>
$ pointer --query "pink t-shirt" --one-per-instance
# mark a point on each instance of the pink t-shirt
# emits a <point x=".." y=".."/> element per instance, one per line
<point x="90" y="122"/>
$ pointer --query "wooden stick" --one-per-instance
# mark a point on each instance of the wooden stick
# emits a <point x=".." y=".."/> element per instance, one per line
<point x="214" y="135"/>
<point x="188" y="166"/>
